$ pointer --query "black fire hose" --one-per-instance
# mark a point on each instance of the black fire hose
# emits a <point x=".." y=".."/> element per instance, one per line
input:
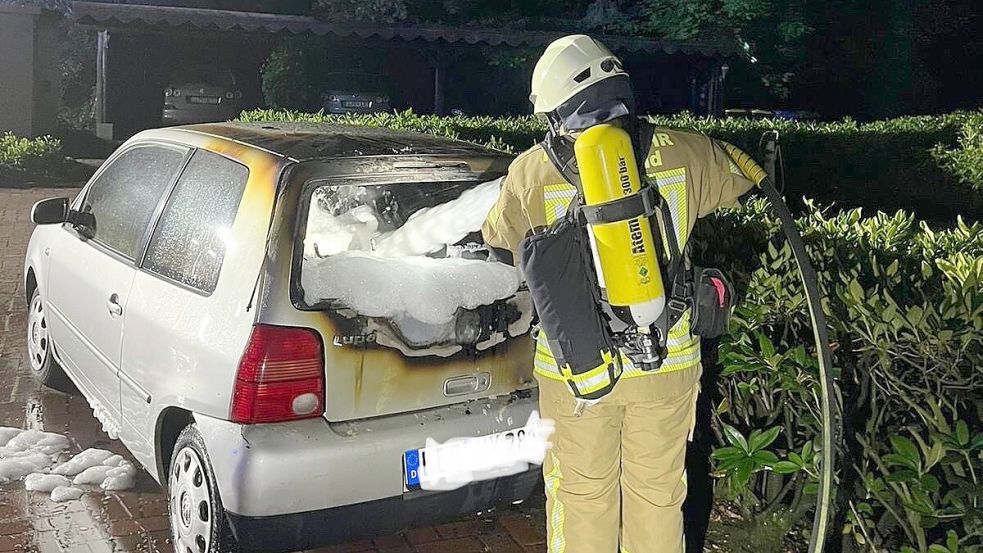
<point x="820" y="522"/>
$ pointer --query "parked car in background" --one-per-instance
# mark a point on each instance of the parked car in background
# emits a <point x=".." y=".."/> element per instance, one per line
<point x="200" y="94"/>
<point x="355" y="93"/>
<point x="170" y="292"/>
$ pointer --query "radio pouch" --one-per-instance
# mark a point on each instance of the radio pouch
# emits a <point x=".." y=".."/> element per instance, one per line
<point x="713" y="302"/>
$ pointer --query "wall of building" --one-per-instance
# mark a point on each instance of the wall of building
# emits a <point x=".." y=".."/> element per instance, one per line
<point x="48" y="35"/>
<point x="17" y="36"/>
<point x="29" y="72"/>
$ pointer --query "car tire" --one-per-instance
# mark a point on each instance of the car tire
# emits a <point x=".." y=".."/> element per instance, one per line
<point x="198" y="522"/>
<point x="45" y="369"/>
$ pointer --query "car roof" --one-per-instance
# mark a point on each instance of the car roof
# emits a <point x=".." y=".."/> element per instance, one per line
<point x="309" y="141"/>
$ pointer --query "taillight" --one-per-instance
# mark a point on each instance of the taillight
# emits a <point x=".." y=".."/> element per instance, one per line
<point x="280" y="377"/>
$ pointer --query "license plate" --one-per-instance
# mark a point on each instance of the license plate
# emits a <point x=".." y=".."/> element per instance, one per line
<point x="460" y="461"/>
<point x="203" y="99"/>
<point x="357" y="104"/>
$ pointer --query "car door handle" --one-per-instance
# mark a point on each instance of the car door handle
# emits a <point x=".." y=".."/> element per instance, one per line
<point x="112" y="304"/>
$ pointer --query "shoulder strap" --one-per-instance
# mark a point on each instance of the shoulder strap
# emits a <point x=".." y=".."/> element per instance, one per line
<point x="675" y="272"/>
<point x="560" y="153"/>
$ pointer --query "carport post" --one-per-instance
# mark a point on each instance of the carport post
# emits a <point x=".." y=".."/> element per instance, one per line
<point x="104" y="129"/>
<point x="438" y="88"/>
<point x="439" y="61"/>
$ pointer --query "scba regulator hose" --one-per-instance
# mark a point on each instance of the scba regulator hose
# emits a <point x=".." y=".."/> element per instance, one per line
<point x="820" y="523"/>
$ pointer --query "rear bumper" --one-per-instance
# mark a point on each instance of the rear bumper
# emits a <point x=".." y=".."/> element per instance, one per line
<point x="376" y="518"/>
<point x="306" y="466"/>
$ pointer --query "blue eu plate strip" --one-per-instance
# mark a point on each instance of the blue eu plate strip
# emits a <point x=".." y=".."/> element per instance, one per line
<point x="411" y="463"/>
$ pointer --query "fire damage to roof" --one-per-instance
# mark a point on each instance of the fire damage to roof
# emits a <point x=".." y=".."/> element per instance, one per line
<point x="303" y="141"/>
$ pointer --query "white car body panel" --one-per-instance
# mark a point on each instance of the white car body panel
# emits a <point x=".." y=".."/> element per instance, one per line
<point x="82" y="277"/>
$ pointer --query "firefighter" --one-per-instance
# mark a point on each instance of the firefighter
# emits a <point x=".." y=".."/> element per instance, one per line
<point x="615" y="478"/>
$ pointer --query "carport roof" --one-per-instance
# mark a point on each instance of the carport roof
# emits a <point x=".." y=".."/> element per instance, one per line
<point x="136" y="16"/>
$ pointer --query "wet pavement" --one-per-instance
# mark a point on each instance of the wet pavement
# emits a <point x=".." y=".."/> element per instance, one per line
<point x="136" y="520"/>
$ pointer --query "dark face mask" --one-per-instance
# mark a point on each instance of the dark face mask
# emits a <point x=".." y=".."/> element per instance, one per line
<point x="605" y="101"/>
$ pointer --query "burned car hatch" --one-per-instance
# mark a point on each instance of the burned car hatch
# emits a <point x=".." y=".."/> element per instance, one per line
<point x="404" y="282"/>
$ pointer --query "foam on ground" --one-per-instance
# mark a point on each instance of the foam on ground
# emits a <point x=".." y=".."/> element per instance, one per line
<point x="33" y="454"/>
<point x="28" y="451"/>
<point x="65" y="493"/>
<point x="38" y="482"/>
<point x="119" y="478"/>
<point x="88" y="458"/>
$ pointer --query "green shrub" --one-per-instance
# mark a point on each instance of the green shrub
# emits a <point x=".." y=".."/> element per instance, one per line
<point x="905" y="309"/>
<point x="288" y="76"/>
<point x="26" y="155"/>
<point x="966" y="160"/>
<point x="887" y="165"/>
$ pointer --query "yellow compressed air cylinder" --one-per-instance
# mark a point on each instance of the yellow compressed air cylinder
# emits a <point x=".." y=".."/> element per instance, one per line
<point x="625" y="252"/>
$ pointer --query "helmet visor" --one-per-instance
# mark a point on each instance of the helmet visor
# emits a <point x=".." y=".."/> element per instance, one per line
<point x="609" y="99"/>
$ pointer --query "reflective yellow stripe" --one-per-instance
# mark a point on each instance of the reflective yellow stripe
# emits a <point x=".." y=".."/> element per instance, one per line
<point x="594" y="379"/>
<point x="678" y="360"/>
<point x="556" y="199"/>
<point x="672" y="188"/>
<point x="558" y="543"/>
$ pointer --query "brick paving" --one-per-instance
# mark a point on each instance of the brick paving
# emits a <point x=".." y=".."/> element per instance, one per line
<point x="136" y="520"/>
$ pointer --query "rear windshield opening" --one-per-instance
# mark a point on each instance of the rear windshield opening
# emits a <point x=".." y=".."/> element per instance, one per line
<point x="409" y="259"/>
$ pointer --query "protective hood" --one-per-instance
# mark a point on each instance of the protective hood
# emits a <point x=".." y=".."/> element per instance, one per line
<point x="605" y="101"/>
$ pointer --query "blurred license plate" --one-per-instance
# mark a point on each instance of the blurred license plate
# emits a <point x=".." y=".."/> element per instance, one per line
<point x="357" y="104"/>
<point x="203" y="99"/>
<point x="460" y="461"/>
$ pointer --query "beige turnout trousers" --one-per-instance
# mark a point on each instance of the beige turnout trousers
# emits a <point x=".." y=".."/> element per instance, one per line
<point x="615" y="476"/>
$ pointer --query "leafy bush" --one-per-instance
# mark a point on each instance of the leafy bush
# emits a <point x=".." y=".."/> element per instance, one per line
<point x="26" y="154"/>
<point x="885" y="165"/>
<point x="965" y="161"/>
<point x="905" y="308"/>
<point x="288" y="74"/>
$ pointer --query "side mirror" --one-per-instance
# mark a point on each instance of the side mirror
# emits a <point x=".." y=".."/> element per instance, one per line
<point x="51" y="211"/>
<point x="84" y="223"/>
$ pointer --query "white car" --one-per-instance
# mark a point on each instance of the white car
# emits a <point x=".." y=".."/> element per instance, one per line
<point x="171" y="293"/>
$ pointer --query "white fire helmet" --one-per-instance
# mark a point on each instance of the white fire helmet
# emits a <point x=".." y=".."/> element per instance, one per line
<point x="568" y="66"/>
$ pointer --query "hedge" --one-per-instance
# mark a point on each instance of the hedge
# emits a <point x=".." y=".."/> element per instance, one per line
<point x="905" y="309"/>
<point x="965" y="161"/>
<point x="931" y="165"/>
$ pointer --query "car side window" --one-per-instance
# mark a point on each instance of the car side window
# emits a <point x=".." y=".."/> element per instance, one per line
<point x="124" y="197"/>
<point x="189" y="243"/>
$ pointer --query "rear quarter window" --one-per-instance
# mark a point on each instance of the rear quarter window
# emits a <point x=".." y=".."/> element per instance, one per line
<point x="190" y="240"/>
